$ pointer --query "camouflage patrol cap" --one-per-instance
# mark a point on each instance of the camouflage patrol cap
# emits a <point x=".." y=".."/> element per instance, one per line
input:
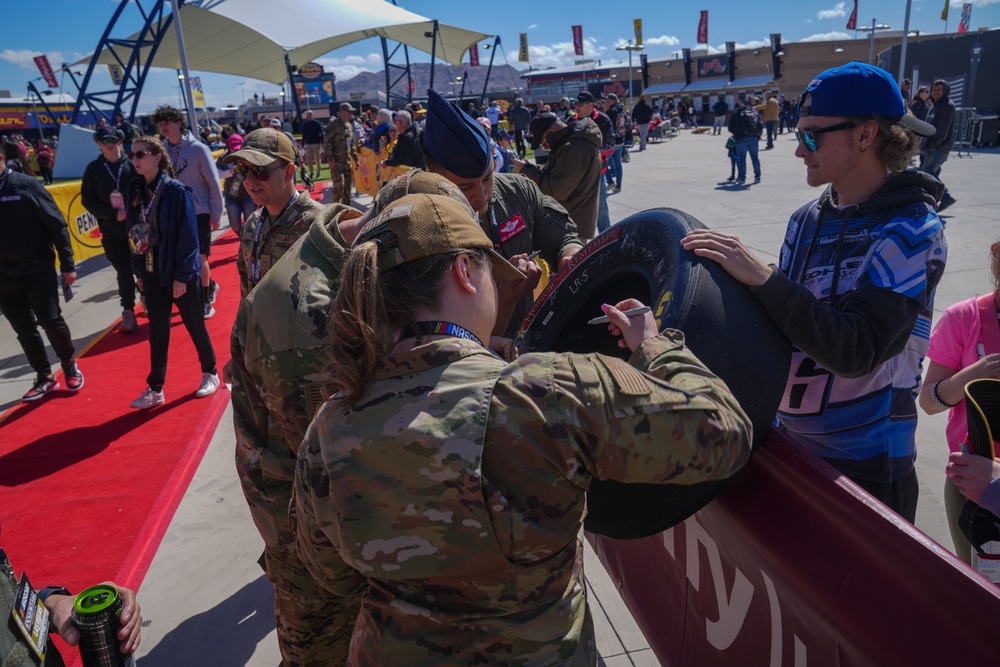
<point x="413" y="182"/>
<point x="262" y="147"/>
<point x="425" y="225"/>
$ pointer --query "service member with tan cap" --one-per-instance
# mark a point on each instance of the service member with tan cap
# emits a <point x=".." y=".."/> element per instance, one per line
<point x="279" y="373"/>
<point x="454" y="483"/>
<point x="267" y="167"/>
<point x="341" y="153"/>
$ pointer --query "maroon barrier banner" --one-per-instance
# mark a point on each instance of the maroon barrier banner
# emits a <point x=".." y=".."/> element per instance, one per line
<point x="794" y="565"/>
<point x="474" y="55"/>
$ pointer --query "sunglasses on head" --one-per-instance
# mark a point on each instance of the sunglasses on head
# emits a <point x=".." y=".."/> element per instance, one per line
<point x="808" y="137"/>
<point x="138" y="155"/>
<point x="109" y="140"/>
<point x="241" y="171"/>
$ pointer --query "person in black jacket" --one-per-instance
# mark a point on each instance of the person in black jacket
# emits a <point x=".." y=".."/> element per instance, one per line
<point x="407" y="149"/>
<point x="642" y="113"/>
<point x="29" y="294"/>
<point x="105" y="181"/>
<point x="163" y="236"/>
<point x="935" y="149"/>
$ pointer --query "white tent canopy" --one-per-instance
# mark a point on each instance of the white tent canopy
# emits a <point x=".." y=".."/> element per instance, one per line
<point x="250" y="37"/>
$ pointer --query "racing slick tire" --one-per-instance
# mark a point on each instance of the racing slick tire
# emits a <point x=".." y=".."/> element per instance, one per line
<point x="723" y="323"/>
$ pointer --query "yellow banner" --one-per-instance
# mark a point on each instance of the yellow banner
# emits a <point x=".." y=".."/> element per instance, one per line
<point x="944" y="12"/>
<point x="637" y="24"/>
<point x="84" y="235"/>
<point x="522" y="52"/>
<point x="366" y="172"/>
<point x="115" y="71"/>
<point x="197" y="92"/>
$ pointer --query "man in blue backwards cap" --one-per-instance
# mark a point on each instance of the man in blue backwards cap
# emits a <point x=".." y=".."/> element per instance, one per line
<point x="512" y="210"/>
<point x="854" y="285"/>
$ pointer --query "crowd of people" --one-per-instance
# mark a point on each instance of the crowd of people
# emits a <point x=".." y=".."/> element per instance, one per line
<point x="404" y="466"/>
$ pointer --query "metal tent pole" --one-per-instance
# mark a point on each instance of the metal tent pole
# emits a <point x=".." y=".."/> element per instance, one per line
<point x="188" y="95"/>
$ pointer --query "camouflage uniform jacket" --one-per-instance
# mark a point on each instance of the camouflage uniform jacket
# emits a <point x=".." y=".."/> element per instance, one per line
<point x="267" y="240"/>
<point x="521" y="219"/>
<point x="279" y="365"/>
<point x="456" y="486"/>
<point x="279" y="378"/>
<point x="340" y="149"/>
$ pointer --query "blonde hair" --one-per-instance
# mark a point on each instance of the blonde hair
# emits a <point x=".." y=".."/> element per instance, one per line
<point x="373" y="310"/>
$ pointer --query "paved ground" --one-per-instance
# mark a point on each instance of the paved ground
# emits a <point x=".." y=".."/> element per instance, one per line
<point x="206" y="600"/>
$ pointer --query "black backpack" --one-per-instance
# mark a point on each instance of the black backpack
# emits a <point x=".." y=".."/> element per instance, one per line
<point x="750" y="123"/>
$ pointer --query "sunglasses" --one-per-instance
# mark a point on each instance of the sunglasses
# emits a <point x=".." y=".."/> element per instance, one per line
<point x="138" y="155"/>
<point x="808" y="137"/>
<point x="241" y="171"/>
<point x="109" y="141"/>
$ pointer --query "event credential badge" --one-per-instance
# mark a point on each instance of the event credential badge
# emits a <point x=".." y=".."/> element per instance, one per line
<point x="31" y="618"/>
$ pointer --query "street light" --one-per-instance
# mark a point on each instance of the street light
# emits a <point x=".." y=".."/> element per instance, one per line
<point x="630" y="48"/>
<point x="281" y="94"/>
<point x="875" y="26"/>
<point x="243" y="91"/>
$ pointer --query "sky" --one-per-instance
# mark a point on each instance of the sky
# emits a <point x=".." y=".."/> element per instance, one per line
<point x="68" y="30"/>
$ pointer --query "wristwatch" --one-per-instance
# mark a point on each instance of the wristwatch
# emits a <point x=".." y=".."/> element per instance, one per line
<point x="49" y="590"/>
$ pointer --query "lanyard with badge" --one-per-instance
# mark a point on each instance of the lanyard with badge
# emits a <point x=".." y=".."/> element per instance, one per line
<point x="117" y="200"/>
<point x="144" y="211"/>
<point x="257" y="248"/>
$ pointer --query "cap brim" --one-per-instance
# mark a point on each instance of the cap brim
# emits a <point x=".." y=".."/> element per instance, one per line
<point x="251" y="156"/>
<point x="917" y="126"/>
<point x="502" y="269"/>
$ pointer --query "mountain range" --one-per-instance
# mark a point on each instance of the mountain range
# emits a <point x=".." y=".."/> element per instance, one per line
<point x="503" y="78"/>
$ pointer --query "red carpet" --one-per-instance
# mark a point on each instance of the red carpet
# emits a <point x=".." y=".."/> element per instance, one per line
<point x="87" y="485"/>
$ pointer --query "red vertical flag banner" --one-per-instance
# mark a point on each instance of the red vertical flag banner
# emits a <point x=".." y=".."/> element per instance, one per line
<point x="474" y="55"/>
<point x="963" y="23"/>
<point x="703" y="28"/>
<point x="43" y="66"/>
<point x="852" y="23"/>
<point x="578" y="40"/>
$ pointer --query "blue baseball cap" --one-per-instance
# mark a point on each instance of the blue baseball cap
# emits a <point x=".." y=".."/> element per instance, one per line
<point x="454" y="139"/>
<point x="859" y="89"/>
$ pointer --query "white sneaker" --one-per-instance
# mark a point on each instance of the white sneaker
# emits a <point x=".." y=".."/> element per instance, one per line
<point x="209" y="384"/>
<point x="209" y="311"/>
<point x="148" y="399"/>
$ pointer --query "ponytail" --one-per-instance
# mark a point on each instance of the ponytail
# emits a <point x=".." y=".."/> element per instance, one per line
<point x="373" y="310"/>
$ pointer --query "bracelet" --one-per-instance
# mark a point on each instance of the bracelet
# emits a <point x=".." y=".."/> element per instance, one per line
<point x="937" y="399"/>
<point x="52" y="590"/>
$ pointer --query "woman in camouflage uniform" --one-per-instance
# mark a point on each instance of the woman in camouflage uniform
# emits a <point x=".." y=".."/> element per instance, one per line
<point x="454" y="483"/>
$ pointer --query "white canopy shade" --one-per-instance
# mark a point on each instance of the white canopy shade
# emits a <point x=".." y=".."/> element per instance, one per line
<point x="250" y="37"/>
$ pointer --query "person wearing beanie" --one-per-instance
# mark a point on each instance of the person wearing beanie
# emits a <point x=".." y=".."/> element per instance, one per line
<point x="854" y="286"/>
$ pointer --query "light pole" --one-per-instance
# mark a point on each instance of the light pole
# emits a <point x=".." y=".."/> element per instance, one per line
<point x="243" y="91"/>
<point x="281" y="94"/>
<point x="875" y="26"/>
<point x="630" y="48"/>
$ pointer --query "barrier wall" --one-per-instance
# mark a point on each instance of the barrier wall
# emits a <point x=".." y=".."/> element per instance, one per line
<point x="83" y="232"/>
<point x="794" y="565"/>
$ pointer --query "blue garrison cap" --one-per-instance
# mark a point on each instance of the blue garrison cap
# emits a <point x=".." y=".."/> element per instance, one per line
<point x="454" y="139"/>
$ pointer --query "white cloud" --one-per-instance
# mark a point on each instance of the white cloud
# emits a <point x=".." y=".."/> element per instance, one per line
<point x="348" y="67"/>
<point x="837" y="11"/>
<point x="533" y="26"/>
<point x="826" y="36"/>
<point x="25" y="58"/>
<point x="663" y="40"/>
<point x="561" y="54"/>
